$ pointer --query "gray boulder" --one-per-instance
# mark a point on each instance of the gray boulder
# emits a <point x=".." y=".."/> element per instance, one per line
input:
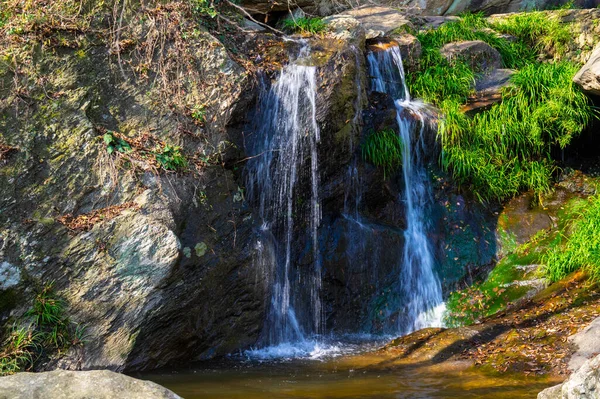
<point x="379" y="21"/>
<point x="63" y="384"/>
<point x="584" y="384"/>
<point x="588" y="76"/>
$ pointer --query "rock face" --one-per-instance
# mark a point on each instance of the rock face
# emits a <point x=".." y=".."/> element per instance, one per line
<point x="138" y="275"/>
<point x="588" y="76"/>
<point x="583" y="384"/>
<point x="62" y="384"/>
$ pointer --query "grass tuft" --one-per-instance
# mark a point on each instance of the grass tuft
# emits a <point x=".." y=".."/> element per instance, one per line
<point x="47" y="330"/>
<point x="384" y="150"/>
<point x="304" y="25"/>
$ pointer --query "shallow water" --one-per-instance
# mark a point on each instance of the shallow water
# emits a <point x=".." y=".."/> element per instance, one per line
<point x="358" y="376"/>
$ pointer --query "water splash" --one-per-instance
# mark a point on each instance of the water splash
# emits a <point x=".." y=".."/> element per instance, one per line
<point x="421" y="287"/>
<point x="283" y="178"/>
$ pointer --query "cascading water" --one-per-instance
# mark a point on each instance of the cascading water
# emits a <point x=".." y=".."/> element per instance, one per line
<point x="283" y="178"/>
<point x="420" y="286"/>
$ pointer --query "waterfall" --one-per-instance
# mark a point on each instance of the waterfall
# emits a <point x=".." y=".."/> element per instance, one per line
<point x="283" y="179"/>
<point x="421" y="289"/>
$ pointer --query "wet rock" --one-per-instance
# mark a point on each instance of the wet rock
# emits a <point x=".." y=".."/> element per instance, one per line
<point x="62" y="384"/>
<point x="9" y="276"/>
<point x="479" y="55"/>
<point x="588" y="76"/>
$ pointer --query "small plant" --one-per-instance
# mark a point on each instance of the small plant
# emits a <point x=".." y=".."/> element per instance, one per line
<point x="304" y="25"/>
<point x="204" y="8"/>
<point x="170" y="158"/>
<point x="199" y="114"/>
<point x="383" y="149"/>
<point x="114" y="143"/>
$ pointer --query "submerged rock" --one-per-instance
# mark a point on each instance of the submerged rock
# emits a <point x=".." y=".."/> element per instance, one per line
<point x="63" y="384"/>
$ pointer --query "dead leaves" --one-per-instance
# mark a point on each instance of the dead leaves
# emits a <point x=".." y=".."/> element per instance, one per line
<point x="84" y="222"/>
<point x="535" y="337"/>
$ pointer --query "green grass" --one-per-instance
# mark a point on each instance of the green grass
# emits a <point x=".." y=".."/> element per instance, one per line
<point x="506" y="150"/>
<point x="306" y="25"/>
<point x="539" y="30"/>
<point x="502" y="151"/>
<point x="578" y="246"/>
<point x="384" y="150"/>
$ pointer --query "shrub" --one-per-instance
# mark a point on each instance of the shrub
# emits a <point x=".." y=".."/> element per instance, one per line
<point x="304" y="25"/>
<point x="204" y="8"/>
<point x="383" y="149"/>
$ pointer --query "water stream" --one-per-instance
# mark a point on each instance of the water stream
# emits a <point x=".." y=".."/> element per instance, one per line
<point x="422" y="291"/>
<point x="283" y="178"/>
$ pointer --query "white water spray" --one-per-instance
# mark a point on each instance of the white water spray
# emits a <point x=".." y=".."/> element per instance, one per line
<point x="283" y="178"/>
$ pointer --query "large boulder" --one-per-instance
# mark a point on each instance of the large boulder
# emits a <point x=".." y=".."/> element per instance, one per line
<point x="137" y="253"/>
<point x="584" y="384"/>
<point x="63" y="384"/>
<point x="588" y="76"/>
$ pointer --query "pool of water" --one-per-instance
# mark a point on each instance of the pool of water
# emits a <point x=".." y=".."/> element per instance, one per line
<point x="357" y="376"/>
